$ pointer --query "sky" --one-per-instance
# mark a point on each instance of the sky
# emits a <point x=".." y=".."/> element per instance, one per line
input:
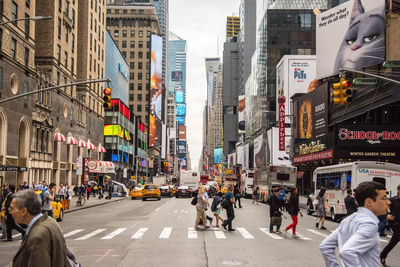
<point x="202" y="23"/>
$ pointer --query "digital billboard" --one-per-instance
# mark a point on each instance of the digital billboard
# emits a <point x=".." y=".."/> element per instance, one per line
<point x="182" y="132"/>
<point x="176" y="76"/>
<point x="179" y="97"/>
<point x="260" y="152"/>
<point x="156" y="102"/>
<point x="180" y="120"/>
<point x="217" y="155"/>
<point x="180" y="109"/>
<point x="182" y="147"/>
<point x="351" y="35"/>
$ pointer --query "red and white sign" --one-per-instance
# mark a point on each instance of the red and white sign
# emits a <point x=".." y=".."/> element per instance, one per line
<point x="282" y="123"/>
<point x="315" y="156"/>
<point x="182" y="132"/>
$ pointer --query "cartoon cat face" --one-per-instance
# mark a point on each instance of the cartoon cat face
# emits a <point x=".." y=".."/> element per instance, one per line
<point x="364" y="42"/>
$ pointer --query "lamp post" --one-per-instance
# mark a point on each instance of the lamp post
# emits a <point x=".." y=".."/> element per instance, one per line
<point x="31" y="18"/>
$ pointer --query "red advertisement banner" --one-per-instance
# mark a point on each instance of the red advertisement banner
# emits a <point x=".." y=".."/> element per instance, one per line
<point x="315" y="156"/>
<point x="282" y="127"/>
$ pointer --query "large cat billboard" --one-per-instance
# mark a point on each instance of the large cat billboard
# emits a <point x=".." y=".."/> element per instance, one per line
<point x="351" y="35"/>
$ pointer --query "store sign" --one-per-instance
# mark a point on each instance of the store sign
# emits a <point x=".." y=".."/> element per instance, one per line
<point x="13" y="169"/>
<point x="282" y="124"/>
<point x="313" y="147"/>
<point x="79" y="166"/>
<point x="314" y="156"/>
<point x="372" y="136"/>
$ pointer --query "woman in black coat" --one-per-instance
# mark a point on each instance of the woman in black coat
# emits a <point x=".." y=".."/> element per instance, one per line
<point x="293" y="209"/>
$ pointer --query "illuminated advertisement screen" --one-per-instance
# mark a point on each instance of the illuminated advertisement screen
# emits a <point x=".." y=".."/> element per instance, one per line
<point x="180" y="120"/>
<point x="217" y="155"/>
<point x="179" y="97"/>
<point x="182" y="147"/>
<point x="180" y="109"/>
<point x="156" y="104"/>
<point x="176" y="76"/>
<point x="113" y="130"/>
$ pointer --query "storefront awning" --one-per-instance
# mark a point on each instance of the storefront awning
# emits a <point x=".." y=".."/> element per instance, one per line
<point x="59" y="137"/>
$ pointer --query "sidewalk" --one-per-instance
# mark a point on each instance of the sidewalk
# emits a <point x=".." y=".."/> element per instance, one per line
<point x="92" y="202"/>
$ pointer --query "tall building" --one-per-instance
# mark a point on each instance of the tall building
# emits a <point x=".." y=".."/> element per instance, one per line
<point x="176" y="64"/>
<point x="131" y="27"/>
<point x="232" y="27"/>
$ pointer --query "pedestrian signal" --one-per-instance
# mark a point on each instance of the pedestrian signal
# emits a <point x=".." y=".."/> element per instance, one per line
<point x="107" y="98"/>
<point x="342" y="94"/>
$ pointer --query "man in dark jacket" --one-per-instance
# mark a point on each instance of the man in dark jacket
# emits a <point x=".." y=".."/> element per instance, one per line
<point x="44" y="244"/>
<point x="274" y="212"/>
<point x="10" y="224"/>
<point x="350" y="202"/>
<point x="236" y="192"/>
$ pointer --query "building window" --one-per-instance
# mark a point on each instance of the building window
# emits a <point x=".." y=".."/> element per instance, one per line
<point x="1" y="78"/>
<point x="148" y="33"/>
<point x="124" y="33"/>
<point x="108" y="11"/>
<point x="73" y="18"/>
<point x="139" y="108"/>
<point x="131" y="86"/>
<point x="26" y="90"/>
<point x="140" y="65"/>
<point x="14" y="12"/>
<point x="140" y="11"/>
<point x="28" y="3"/>
<point x="140" y="33"/>
<point x="58" y="78"/>
<point x="132" y="33"/>
<point x="73" y="42"/>
<point x="59" y="28"/>
<point x="132" y="44"/>
<point x="117" y="11"/>
<point x="27" y="57"/>
<point x="72" y="65"/>
<point x="58" y="53"/>
<point x="90" y="63"/>
<point x="304" y="20"/>
<point x="147" y="65"/>
<point x="66" y="35"/>
<point x="132" y="76"/>
<point x="140" y="55"/>
<point x="132" y="54"/>
<point x="148" y="44"/>
<point x="124" y="54"/>
<point x="132" y="65"/>
<point x="123" y="44"/>
<point x="94" y="65"/>
<point x="147" y="97"/>
<point x="147" y="76"/>
<point x="90" y="42"/>
<point x="91" y="21"/>
<point x="95" y="25"/>
<point x="116" y="33"/>
<point x="67" y="8"/>
<point x="140" y="76"/>
<point x="140" y="86"/>
<point x="131" y="97"/>
<point x="27" y="25"/>
<point x="140" y="45"/>
<point x="148" y="55"/>
<point x="59" y="5"/>
<point x="66" y="59"/>
<point x="139" y="97"/>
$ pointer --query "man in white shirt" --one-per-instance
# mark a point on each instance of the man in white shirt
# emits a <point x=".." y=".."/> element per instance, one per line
<point x="357" y="236"/>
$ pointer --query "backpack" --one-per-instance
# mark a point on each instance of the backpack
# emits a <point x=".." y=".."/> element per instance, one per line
<point x="42" y="195"/>
<point x="224" y="203"/>
<point x="194" y="201"/>
<point x="215" y="203"/>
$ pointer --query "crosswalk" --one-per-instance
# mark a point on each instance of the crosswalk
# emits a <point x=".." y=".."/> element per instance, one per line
<point x="167" y="232"/>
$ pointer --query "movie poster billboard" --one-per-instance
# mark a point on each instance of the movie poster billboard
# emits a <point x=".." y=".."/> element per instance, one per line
<point x="260" y="152"/>
<point x="240" y="155"/>
<point x="218" y="155"/>
<point x="351" y="35"/>
<point x="156" y="99"/>
<point x="241" y="111"/>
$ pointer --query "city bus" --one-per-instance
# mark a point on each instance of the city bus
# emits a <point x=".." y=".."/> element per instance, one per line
<point x="336" y="179"/>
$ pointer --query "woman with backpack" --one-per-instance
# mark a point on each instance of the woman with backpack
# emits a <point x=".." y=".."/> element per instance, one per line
<point x="256" y="193"/>
<point x="201" y="206"/>
<point x="216" y="206"/>
<point x="293" y="209"/>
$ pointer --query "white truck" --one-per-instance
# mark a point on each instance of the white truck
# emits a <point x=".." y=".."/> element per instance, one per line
<point x="246" y="183"/>
<point x="159" y="180"/>
<point x="189" y="178"/>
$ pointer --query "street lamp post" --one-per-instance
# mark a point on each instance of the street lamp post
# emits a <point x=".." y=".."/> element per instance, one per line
<point x="31" y="18"/>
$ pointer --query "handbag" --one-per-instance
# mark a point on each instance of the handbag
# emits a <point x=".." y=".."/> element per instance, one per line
<point x="71" y="259"/>
<point x="194" y="201"/>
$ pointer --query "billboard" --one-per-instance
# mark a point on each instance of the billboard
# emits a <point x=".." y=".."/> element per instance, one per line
<point x="182" y="147"/>
<point x="179" y="97"/>
<point x="156" y="101"/>
<point x="351" y="35"/>
<point x="260" y="152"/>
<point x="246" y="157"/>
<point x="312" y="113"/>
<point x="180" y="120"/>
<point x="182" y="132"/>
<point x="240" y="154"/>
<point x="176" y="76"/>
<point x="217" y="155"/>
<point x="241" y="111"/>
<point x="231" y="160"/>
<point x="180" y="109"/>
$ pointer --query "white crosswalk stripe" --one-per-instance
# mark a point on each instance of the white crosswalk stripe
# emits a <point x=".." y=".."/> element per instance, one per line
<point x="98" y="231"/>
<point x="303" y="237"/>
<point x="274" y="236"/>
<point x="192" y="234"/>
<point x="139" y="234"/>
<point x="114" y="234"/>
<point x="73" y="232"/>
<point x="317" y="233"/>
<point x="245" y="233"/>
<point x="166" y="232"/>
<point x="219" y="235"/>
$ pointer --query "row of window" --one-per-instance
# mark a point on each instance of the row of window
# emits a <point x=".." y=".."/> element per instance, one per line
<point x="125" y="11"/>
<point x="139" y="55"/>
<point x="139" y="76"/>
<point x="124" y="44"/>
<point x="130" y="22"/>
<point x="132" y="33"/>
<point x="139" y="97"/>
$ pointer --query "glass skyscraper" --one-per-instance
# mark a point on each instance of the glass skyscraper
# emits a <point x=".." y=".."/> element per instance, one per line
<point x="176" y="66"/>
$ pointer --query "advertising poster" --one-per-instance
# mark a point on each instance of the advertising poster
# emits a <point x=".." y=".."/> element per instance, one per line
<point x="79" y="166"/>
<point x="241" y="108"/>
<point x="182" y="132"/>
<point x="275" y="156"/>
<point x="313" y="113"/>
<point x="156" y="99"/>
<point x="240" y="155"/>
<point x="182" y="147"/>
<point x="351" y="35"/>
<point x="218" y="155"/>
<point x="176" y="76"/>
<point x="179" y="97"/>
<point x="231" y="160"/>
<point x="180" y="120"/>
<point x="246" y="157"/>
<point x="260" y="152"/>
<point x="180" y="109"/>
<point x="164" y="142"/>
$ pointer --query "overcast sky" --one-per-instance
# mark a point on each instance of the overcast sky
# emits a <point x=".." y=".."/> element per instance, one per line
<point x="201" y="23"/>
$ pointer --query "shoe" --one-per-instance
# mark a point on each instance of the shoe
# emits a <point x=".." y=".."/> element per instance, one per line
<point x="7" y="240"/>
<point x="207" y="227"/>
<point x="383" y="262"/>
<point x="211" y="220"/>
<point x="3" y="237"/>
<point x="323" y="228"/>
<point x="383" y="235"/>
<point x="278" y="231"/>
<point x="317" y="225"/>
<point x="284" y="233"/>
<point x="215" y="226"/>
<point x="231" y="230"/>
<point x="295" y="236"/>
<point x="240" y="207"/>
<point x="224" y="226"/>
<point x="198" y="229"/>
<point x="272" y="232"/>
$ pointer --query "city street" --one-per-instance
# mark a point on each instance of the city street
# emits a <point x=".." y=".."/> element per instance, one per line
<point x="158" y="233"/>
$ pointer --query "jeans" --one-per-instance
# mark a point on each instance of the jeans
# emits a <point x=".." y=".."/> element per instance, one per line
<point x="382" y="224"/>
<point x="10" y="225"/>
<point x="230" y="213"/>
<point x="392" y="243"/>
<point x="237" y="198"/>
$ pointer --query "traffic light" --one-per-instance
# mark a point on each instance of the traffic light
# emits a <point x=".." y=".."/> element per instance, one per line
<point x="107" y="98"/>
<point x="341" y="92"/>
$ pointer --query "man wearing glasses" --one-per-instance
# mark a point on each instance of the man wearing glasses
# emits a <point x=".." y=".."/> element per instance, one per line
<point x="357" y="236"/>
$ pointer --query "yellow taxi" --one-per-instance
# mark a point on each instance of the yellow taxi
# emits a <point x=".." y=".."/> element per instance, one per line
<point x="136" y="192"/>
<point x="225" y="189"/>
<point x="174" y="189"/>
<point x="151" y="191"/>
<point x="58" y="210"/>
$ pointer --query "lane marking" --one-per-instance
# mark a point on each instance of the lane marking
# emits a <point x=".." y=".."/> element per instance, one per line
<point x="175" y="211"/>
<point x="157" y="209"/>
<point x="245" y="233"/>
<point x="115" y="233"/>
<point x="192" y="234"/>
<point x="274" y="236"/>
<point x="73" y="232"/>
<point x="317" y="233"/>
<point x="219" y="235"/>
<point x="98" y="231"/>
<point x="166" y="232"/>
<point x="139" y="234"/>
<point x="384" y="241"/>
<point x="17" y="235"/>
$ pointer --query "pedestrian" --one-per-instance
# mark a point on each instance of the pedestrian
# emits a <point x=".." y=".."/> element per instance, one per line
<point x="61" y="192"/>
<point x="76" y="189"/>
<point x="10" y="223"/>
<point x="48" y="197"/>
<point x="236" y="192"/>
<point x="256" y="193"/>
<point x="282" y="199"/>
<point x="207" y="217"/>
<point x="321" y="212"/>
<point x="274" y="212"/>
<point x="68" y="196"/>
<point x="88" y="188"/>
<point x="24" y="186"/>
<point x="394" y="223"/>
<point x="350" y="202"/>
<point x="230" y="213"/>
<point x="3" y="216"/>
<point x="110" y="190"/>
<point x="216" y="206"/>
<point x="44" y="244"/>
<point x="293" y="210"/>
<point x="201" y="206"/>
<point x="357" y="237"/>
<point x="101" y="188"/>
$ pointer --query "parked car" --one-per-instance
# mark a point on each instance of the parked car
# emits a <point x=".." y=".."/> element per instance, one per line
<point x="166" y="190"/>
<point x="151" y="191"/>
<point x="183" y="191"/>
<point x="136" y="192"/>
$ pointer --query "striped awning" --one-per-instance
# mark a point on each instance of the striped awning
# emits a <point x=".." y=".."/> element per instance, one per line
<point x="91" y="146"/>
<point x="101" y="149"/>
<point x="59" y="137"/>
<point x="82" y="143"/>
<point x="71" y="141"/>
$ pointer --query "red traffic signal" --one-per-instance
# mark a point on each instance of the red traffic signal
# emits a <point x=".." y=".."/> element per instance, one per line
<point x="107" y="98"/>
<point x="341" y="92"/>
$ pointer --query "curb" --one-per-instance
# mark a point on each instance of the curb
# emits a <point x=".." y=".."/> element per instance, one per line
<point x="95" y="205"/>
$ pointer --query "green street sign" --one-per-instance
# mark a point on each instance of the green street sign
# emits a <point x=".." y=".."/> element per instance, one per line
<point x="365" y="81"/>
<point x="391" y="64"/>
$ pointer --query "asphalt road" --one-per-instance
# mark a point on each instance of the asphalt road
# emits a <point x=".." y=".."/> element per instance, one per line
<point x="157" y="233"/>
